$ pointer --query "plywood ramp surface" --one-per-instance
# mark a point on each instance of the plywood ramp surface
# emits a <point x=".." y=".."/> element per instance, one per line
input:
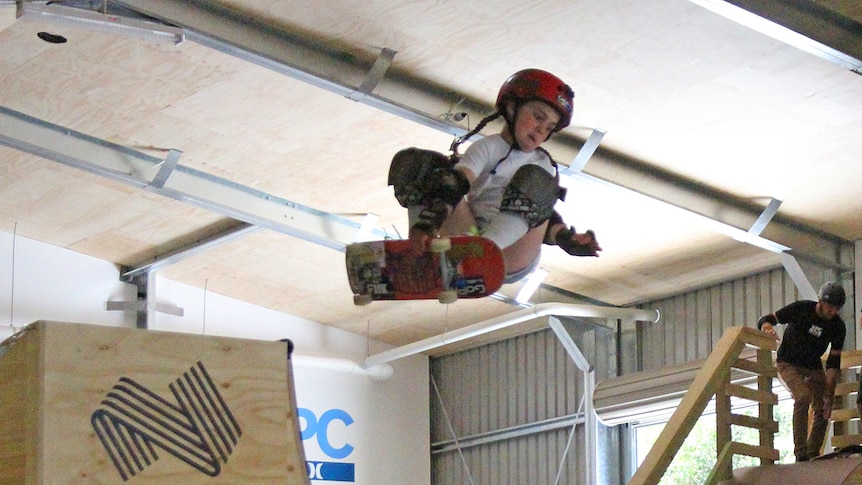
<point x="835" y="471"/>
<point x="106" y="405"/>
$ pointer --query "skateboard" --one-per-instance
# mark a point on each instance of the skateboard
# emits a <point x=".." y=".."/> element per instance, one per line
<point x="453" y="267"/>
<point x="841" y="452"/>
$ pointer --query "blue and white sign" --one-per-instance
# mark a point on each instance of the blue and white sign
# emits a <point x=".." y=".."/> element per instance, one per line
<point x="320" y="428"/>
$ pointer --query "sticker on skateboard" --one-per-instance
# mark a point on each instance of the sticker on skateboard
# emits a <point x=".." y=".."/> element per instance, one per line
<point x="454" y="267"/>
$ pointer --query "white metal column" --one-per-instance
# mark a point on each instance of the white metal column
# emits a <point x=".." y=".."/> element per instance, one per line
<point x="590" y="422"/>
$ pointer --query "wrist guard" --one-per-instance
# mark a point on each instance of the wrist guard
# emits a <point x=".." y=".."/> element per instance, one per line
<point x="565" y="239"/>
<point x="431" y="218"/>
<point x="451" y="186"/>
<point x="555" y="219"/>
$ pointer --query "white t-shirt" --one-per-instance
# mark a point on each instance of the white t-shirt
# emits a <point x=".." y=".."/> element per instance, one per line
<point x="482" y="157"/>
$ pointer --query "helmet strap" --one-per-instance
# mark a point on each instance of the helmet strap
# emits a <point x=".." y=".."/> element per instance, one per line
<point x="510" y="120"/>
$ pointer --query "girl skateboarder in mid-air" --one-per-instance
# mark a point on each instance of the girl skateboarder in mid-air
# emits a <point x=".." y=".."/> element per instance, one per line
<point x="505" y="186"/>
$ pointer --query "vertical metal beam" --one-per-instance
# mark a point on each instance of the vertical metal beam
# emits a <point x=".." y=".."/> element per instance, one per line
<point x="166" y="168"/>
<point x="149" y="317"/>
<point x="806" y="289"/>
<point x="590" y="421"/>
<point x="857" y="281"/>
<point x="375" y="75"/>
<point x="765" y="216"/>
<point x="587" y="151"/>
<point x="789" y="262"/>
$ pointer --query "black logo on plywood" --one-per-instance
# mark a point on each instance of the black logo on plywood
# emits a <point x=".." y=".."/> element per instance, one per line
<point x="134" y="423"/>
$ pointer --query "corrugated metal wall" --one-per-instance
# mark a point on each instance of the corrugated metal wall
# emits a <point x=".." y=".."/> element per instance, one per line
<point x="494" y="399"/>
<point x="692" y="322"/>
<point x="512" y="405"/>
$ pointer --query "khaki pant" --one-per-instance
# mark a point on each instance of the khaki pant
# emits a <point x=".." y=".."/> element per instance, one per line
<point x="807" y="387"/>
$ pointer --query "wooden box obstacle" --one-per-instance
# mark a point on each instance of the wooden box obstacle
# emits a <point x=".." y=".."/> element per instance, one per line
<point x="88" y="404"/>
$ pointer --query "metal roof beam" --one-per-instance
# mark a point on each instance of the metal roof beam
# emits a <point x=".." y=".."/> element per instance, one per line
<point x="228" y="31"/>
<point x="250" y="39"/>
<point x="137" y="169"/>
<point x="818" y="27"/>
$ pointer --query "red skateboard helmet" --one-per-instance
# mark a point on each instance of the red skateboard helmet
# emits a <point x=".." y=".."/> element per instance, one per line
<point x="536" y="84"/>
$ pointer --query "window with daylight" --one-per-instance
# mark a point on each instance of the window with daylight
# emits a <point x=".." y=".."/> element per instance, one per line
<point x="694" y="461"/>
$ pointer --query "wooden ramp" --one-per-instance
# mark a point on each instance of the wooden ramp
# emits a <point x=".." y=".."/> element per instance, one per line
<point x="834" y="471"/>
<point x="109" y="405"/>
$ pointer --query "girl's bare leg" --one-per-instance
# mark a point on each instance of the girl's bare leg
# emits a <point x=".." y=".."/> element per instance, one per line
<point x="525" y="250"/>
<point x="517" y="256"/>
<point x="460" y="221"/>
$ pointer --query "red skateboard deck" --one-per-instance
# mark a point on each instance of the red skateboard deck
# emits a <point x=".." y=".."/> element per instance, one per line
<point x="454" y="267"/>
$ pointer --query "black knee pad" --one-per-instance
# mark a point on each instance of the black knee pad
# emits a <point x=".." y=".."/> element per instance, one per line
<point x="412" y="173"/>
<point x="532" y="193"/>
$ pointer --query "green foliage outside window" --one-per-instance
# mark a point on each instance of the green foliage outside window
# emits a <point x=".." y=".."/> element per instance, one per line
<point x="695" y="460"/>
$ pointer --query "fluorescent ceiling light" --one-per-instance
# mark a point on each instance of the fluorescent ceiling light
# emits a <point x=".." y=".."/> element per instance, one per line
<point x="780" y="33"/>
<point x="366" y="227"/>
<point x="112" y="24"/>
<point x="643" y="201"/>
<point x="531" y="284"/>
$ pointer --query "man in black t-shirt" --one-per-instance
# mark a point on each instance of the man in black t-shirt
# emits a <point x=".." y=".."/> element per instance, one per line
<point x="812" y="327"/>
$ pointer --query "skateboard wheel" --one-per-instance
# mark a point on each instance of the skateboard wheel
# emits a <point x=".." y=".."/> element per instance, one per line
<point x="362" y="300"/>
<point x="448" y="296"/>
<point x="440" y="245"/>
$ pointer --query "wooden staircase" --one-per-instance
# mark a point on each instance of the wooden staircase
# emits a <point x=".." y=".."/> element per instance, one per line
<point x="764" y="370"/>
<point x="714" y="380"/>
<point x="838" y="470"/>
<point x="844" y="408"/>
<point x="743" y="349"/>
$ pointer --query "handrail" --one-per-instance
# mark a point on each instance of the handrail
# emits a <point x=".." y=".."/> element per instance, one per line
<point x="712" y="379"/>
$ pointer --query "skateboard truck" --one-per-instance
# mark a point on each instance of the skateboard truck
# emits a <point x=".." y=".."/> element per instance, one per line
<point x="447" y="270"/>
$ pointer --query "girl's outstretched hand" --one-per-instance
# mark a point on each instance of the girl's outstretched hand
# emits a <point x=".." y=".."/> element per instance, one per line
<point x="578" y="244"/>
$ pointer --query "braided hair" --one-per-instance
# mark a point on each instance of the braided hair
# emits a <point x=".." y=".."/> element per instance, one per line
<point x="455" y="156"/>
